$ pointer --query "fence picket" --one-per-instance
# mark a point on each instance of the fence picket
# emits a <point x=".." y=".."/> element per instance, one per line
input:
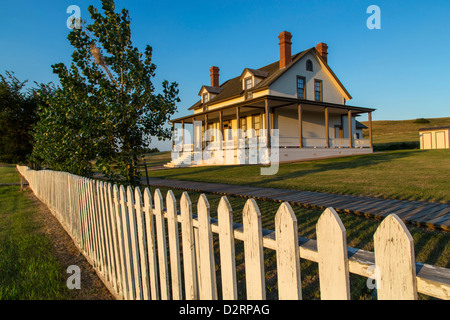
<point x="227" y="250"/>
<point x="107" y="231"/>
<point x="162" y="246"/>
<point x="288" y="257"/>
<point x="121" y="239"/>
<point x="134" y="239"/>
<point x="395" y="259"/>
<point x="189" y="259"/>
<point x="151" y="245"/>
<point x="140" y="219"/>
<point x="116" y="267"/>
<point x="174" y="246"/>
<point x="253" y="251"/>
<point x="208" y="288"/>
<point x="333" y="257"/>
<point x="101" y="227"/>
<point x="131" y="291"/>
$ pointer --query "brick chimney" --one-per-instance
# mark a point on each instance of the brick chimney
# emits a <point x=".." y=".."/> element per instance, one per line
<point x="214" y="76"/>
<point x="285" y="48"/>
<point x="323" y="50"/>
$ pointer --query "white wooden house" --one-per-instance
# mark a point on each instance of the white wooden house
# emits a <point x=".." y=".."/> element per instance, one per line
<point x="299" y="95"/>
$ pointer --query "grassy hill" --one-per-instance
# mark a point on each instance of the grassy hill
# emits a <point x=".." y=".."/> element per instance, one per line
<point x="400" y="134"/>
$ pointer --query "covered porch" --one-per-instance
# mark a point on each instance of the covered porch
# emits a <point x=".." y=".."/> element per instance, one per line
<point x="305" y="129"/>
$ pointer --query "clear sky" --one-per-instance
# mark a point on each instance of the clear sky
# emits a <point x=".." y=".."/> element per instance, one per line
<point x="402" y="70"/>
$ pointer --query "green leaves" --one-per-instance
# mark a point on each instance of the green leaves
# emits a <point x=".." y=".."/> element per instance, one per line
<point x="106" y="107"/>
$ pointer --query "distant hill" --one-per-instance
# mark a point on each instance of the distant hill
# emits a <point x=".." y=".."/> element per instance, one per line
<point x="400" y="134"/>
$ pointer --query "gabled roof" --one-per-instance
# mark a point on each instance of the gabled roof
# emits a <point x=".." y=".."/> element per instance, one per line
<point x="359" y="125"/>
<point x="215" y="90"/>
<point x="256" y="73"/>
<point x="233" y="88"/>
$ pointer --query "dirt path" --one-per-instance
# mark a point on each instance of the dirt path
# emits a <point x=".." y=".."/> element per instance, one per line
<point x="92" y="288"/>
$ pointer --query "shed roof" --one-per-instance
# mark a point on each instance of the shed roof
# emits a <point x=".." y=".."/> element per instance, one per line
<point x="434" y="128"/>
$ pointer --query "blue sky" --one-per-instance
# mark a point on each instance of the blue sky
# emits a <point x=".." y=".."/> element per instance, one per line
<point x="402" y="70"/>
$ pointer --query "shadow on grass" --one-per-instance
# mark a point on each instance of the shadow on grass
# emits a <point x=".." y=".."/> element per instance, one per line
<point x="286" y="171"/>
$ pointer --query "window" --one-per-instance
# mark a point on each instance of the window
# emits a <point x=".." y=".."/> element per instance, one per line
<point x="318" y="90"/>
<point x="257" y="123"/>
<point x="248" y="83"/>
<point x="211" y="133"/>
<point x="301" y="87"/>
<point x="309" y="65"/>
<point x="205" y="98"/>
<point x="243" y="124"/>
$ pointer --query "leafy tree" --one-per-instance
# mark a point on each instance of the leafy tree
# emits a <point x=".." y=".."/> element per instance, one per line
<point x="106" y="108"/>
<point x="18" y="112"/>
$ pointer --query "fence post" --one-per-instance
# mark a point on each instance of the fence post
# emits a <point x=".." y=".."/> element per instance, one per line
<point x="227" y="250"/>
<point x="395" y="259"/>
<point x="333" y="257"/>
<point x="288" y="257"/>
<point x="208" y="288"/>
<point x="253" y="252"/>
<point x="189" y="258"/>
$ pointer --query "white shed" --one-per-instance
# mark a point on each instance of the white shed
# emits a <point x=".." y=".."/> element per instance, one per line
<point x="435" y="137"/>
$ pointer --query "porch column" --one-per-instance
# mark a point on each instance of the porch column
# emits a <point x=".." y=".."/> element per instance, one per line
<point x="182" y="133"/>
<point x="370" y="129"/>
<point x="327" y="131"/>
<point x="267" y="122"/>
<point x="350" y="134"/>
<point x="193" y="134"/>
<point x="206" y="129"/>
<point x="300" y="130"/>
<point x="238" y="120"/>
<point x="221" y="123"/>
<point x="173" y="135"/>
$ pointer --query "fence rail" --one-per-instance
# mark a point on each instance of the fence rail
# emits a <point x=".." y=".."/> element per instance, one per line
<point x="134" y="242"/>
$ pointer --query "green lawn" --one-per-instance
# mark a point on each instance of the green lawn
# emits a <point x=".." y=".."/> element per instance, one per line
<point x="403" y="174"/>
<point x="401" y="131"/>
<point x="28" y="270"/>
<point x="8" y="174"/>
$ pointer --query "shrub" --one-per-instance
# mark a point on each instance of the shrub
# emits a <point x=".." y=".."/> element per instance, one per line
<point x="422" y="120"/>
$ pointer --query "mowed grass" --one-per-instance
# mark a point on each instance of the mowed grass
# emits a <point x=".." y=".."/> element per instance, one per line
<point x="8" y="174"/>
<point x="400" y="131"/>
<point x="28" y="269"/>
<point x="431" y="247"/>
<point x="422" y="175"/>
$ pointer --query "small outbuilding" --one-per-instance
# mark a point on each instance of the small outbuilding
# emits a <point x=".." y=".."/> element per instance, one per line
<point x="435" y="137"/>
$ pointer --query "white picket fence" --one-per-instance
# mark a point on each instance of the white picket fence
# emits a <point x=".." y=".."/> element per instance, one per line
<point x="133" y="242"/>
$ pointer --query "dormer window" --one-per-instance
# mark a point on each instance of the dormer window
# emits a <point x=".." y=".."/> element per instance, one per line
<point x="248" y="83"/>
<point x="205" y="98"/>
<point x="309" y="65"/>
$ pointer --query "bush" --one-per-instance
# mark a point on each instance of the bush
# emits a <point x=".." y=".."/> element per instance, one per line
<point x="422" y="120"/>
<point x="396" y="146"/>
